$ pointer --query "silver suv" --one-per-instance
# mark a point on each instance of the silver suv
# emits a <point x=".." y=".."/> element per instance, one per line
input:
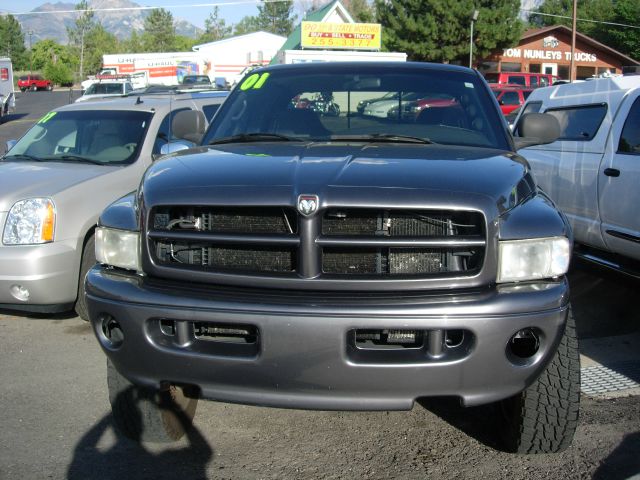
<point x="64" y="171"/>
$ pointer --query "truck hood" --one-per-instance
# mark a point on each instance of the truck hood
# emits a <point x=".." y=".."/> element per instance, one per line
<point x="342" y="174"/>
<point x="20" y="180"/>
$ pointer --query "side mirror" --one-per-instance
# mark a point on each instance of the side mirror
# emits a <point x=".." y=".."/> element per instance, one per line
<point x="536" y="129"/>
<point x="189" y="125"/>
<point x="10" y="144"/>
<point x="175" y="146"/>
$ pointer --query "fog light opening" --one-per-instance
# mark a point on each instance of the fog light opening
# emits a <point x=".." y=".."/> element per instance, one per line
<point x="20" y="292"/>
<point x="168" y="327"/>
<point x="454" y="338"/>
<point x="525" y="343"/>
<point x="111" y="331"/>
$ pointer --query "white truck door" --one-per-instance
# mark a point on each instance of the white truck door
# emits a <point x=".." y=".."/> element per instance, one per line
<point x="619" y="181"/>
<point x="567" y="169"/>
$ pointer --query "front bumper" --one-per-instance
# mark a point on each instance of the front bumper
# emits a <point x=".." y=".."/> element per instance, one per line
<point x="49" y="272"/>
<point x="304" y="356"/>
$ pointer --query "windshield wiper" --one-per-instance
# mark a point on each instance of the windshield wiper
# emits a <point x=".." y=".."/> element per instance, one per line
<point x="73" y="158"/>
<point x="384" y="137"/>
<point x="22" y="156"/>
<point x="254" y="137"/>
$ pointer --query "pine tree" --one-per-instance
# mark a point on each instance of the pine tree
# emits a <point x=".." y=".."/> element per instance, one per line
<point x="215" y="28"/>
<point x="159" y="31"/>
<point x="439" y="30"/>
<point x="84" y="23"/>
<point x="248" y="24"/>
<point x="12" y="42"/>
<point x="276" y="17"/>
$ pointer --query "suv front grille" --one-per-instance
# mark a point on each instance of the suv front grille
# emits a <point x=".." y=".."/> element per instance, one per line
<point x="338" y="243"/>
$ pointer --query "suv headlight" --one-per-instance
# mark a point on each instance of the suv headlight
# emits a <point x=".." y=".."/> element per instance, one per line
<point x="31" y="221"/>
<point x="118" y="248"/>
<point x="535" y="259"/>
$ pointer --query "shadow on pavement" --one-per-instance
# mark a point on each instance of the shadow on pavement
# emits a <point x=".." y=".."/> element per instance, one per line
<point x="39" y="316"/>
<point x="12" y="116"/>
<point x="476" y="422"/>
<point x="598" y="294"/>
<point x="129" y="459"/>
<point x="623" y="462"/>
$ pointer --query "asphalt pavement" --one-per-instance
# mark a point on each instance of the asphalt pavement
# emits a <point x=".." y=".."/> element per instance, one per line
<point x="56" y="422"/>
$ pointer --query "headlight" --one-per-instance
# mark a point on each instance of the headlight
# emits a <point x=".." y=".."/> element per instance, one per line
<point x="520" y="260"/>
<point x="30" y="222"/>
<point x="118" y="248"/>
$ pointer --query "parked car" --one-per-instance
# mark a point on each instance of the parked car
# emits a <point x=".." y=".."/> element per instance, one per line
<point x="364" y="103"/>
<point x="510" y="97"/>
<point x="345" y="262"/>
<point x="411" y="110"/>
<point x="592" y="171"/>
<point x="103" y="89"/>
<point x="382" y="107"/>
<point x="59" y="176"/>
<point x="531" y="80"/>
<point x="196" y="80"/>
<point x="33" y="83"/>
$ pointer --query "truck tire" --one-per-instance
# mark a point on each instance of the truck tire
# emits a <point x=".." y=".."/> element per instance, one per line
<point x="33" y="88"/>
<point x="49" y="87"/>
<point x="88" y="261"/>
<point x="543" y="418"/>
<point x="148" y="415"/>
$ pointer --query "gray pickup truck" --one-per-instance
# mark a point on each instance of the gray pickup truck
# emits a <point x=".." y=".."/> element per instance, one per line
<point x="592" y="171"/>
<point x="303" y="259"/>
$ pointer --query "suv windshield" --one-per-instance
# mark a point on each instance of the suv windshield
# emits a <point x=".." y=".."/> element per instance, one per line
<point x="319" y="104"/>
<point x="98" y="136"/>
<point x="105" y="88"/>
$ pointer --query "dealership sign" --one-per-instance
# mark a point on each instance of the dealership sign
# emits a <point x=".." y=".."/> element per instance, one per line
<point x="347" y="36"/>
<point x="531" y="54"/>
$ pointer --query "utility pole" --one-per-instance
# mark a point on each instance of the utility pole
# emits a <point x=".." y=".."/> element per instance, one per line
<point x="474" y="17"/>
<point x="572" y="73"/>
<point x="30" y="32"/>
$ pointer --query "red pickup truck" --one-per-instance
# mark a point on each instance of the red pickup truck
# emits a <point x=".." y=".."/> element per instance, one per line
<point x="33" y="83"/>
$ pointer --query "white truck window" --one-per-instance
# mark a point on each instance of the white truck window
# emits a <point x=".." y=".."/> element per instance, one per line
<point x="579" y="123"/>
<point x="630" y="138"/>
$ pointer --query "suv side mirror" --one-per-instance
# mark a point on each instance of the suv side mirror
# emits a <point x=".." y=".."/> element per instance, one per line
<point x="536" y="129"/>
<point x="189" y="125"/>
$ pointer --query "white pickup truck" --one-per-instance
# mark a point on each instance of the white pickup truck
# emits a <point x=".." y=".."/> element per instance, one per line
<point x="7" y="95"/>
<point x="592" y="172"/>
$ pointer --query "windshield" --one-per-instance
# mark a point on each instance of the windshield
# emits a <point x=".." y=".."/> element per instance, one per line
<point x="105" y="89"/>
<point x="346" y="102"/>
<point x="96" y="136"/>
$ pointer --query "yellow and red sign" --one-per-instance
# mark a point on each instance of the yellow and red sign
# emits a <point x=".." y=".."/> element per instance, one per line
<point x="344" y="36"/>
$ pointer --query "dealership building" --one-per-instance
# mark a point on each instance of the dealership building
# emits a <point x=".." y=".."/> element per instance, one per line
<point x="548" y="50"/>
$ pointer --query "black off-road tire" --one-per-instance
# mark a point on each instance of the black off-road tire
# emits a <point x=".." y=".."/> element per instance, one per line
<point x="148" y="415"/>
<point x="544" y="417"/>
<point x="33" y="88"/>
<point x="88" y="261"/>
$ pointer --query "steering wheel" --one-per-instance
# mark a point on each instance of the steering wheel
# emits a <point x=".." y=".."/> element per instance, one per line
<point x="130" y="146"/>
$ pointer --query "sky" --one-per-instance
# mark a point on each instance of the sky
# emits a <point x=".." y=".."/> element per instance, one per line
<point x="231" y="10"/>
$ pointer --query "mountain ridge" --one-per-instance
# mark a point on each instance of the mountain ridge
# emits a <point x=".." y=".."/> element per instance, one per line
<point x="119" y="23"/>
